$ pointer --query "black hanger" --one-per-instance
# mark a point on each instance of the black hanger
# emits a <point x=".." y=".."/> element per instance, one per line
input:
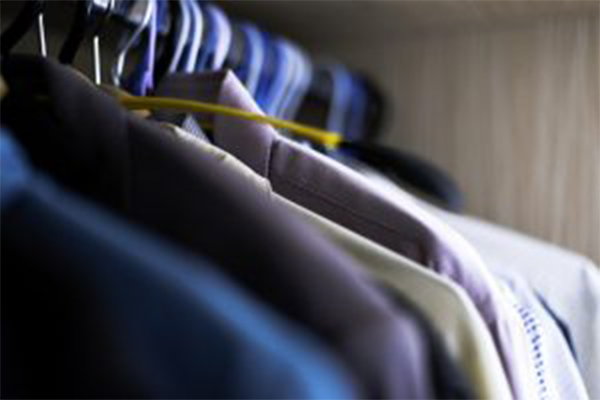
<point x="163" y="61"/>
<point x="404" y="167"/>
<point x="89" y="17"/>
<point x="377" y="108"/>
<point x="317" y="101"/>
<point x="31" y="13"/>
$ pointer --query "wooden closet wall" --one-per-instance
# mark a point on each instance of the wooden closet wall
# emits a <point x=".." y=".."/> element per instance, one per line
<point x="504" y="95"/>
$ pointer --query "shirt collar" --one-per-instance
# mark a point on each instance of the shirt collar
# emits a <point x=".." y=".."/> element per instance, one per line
<point x="250" y="141"/>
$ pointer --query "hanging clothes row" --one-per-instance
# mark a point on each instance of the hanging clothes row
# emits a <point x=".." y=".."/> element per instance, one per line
<point x="185" y="36"/>
<point x="183" y="233"/>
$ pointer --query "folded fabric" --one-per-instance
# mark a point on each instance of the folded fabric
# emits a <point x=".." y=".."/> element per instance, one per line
<point x="94" y="308"/>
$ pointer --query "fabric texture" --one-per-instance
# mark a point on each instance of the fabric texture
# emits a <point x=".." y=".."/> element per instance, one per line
<point x="539" y="373"/>
<point x="557" y="373"/>
<point x="568" y="282"/>
<point x="93" y="147"/>
<point x="449" y="380"/>
<point x="554" y="372"/>
<point x="445" y="305"/>
<point x="94" y="308"/>
<point x="344" y="196"/>
<point x="562" y="325"/>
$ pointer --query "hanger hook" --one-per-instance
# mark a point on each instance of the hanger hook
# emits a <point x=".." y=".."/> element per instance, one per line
<point x="32" y="12"/>
<point x="96" y="61"/>
<point x="89" y="15"/>
<point x="41" y="30"/>
<point x="119" y="65"/>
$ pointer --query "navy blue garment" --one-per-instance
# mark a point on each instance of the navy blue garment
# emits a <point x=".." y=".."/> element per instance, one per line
<point x="92" y="308"/>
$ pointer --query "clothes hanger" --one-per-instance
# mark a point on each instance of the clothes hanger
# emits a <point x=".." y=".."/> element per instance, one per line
<point x="191" y="41"/>
<point x="189" y="37"/>
<point x="90" y="16"/>
<point x="400" y="166"/>
<point x="268" y="70"/>
<point x="377" y="107"/>
<point x="216" y="59"/>
<point x="255" y="56"/>
<point x="168" y="12"/>
<point x="142" y="79"/>
<point x="280" y="76"/>
<point x="340" y="100"/>
<point x="218" y="38"/>
<point x="319" y="136"/>
<point x="357" y="110"/>
<point x="31" y="13"/>
<point x="209" y="40"/>
<point x="315" y="105"/>
<point x="105" y="7"/>
<point x="246" y="55"/>
<point x="238" y="54"/>
<point x="196" y="36"/>
<point x="303" y="87"/>
<point x="293" y="81"/>
<point x="290" y="72"/>
<point x="183" y="31"/>
<point x="128" y="44"/>
<point x="300" y="75"/>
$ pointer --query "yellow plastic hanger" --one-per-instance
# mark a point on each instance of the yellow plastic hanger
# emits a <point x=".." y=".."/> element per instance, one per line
<point x="328" y="139"/>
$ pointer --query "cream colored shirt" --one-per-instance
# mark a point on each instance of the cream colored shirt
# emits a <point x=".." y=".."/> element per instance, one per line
<point x="445" y="304"/>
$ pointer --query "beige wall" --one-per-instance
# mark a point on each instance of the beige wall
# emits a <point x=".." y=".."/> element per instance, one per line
<point x="512" y="112"/>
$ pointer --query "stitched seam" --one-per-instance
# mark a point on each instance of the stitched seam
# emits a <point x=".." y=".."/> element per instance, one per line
<point x="359" y="216"/>
<point x="532" y="328"/>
